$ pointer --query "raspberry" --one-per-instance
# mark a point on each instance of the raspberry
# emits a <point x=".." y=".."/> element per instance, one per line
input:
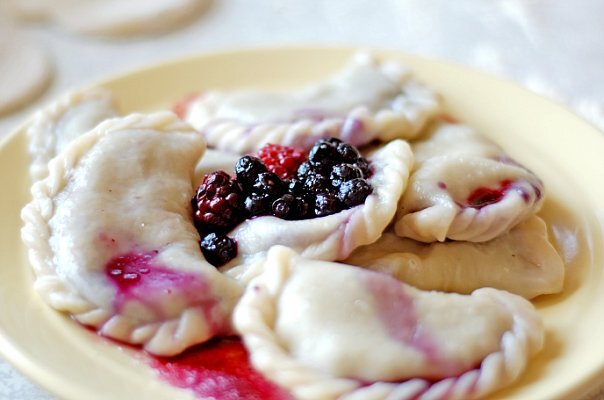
<point x="282" y="160"/>
<point x="218" y="249"/>
<point x="217" y="204"/>
<point x="354" y="192"/>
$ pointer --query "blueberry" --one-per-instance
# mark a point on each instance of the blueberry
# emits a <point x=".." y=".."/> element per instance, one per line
<point x="269" y="184"/>
<point x="344" y="172"/>
<point x="326" y="203"/>
<point x="322" y="155"/>
<point x="257" y="204"/>
<point x="303" y="170"/>
<point x="284" y="206"/>
<point x="295" y="187"/>
<point x="247" y="169"/>
<point x="305" y="207"/>
<point x="348" y="153"/>
<point x="218" y="249"/>
<point x="316" y="182"/>
<point x="363" y="164"/>
<point x="354" y="192"/>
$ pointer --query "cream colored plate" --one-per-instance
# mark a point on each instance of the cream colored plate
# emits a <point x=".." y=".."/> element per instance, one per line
<point x="564" y="150"/>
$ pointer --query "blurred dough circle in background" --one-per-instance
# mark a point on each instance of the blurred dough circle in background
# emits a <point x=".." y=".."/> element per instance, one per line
<point x="111" y="17"/>
<point x="25" y="69"/>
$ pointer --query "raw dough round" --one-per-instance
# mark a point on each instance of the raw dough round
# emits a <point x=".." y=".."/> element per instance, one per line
<point x="117" y="17"/>
<point x="25" y="69"/>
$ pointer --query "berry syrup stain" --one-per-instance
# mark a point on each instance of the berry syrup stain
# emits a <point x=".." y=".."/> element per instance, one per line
<point x="483" y="196"/>
<point x="219" y="369"/>
<point x="138" y="278"/>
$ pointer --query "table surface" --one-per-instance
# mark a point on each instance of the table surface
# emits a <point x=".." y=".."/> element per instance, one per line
<point x="553" y="47"/>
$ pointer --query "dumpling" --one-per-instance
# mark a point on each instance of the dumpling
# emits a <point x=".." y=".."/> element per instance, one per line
<point x="55" y="126"/>
<point x="464" y="188"/>
<point x="521" y="261"/>
<point x="110" y="236"/>
<point x="325" y="331"/>
<point x="335" y="236"/>
<point x="364" y="102"/>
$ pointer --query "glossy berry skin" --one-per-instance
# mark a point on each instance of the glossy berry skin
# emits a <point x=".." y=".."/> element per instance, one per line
<point x="218" y="249"/>
<point x="348" y="153"/>
<point x="282" y="160"/>
<point x="303" y="170"/>
<point x="269" y="184"/>
<point x="354" y="192"/>
<point x="322" y="155"/>
<point x="363" y="164"/>
<point x="247" y="170"/>
<point x="257" y="204"/>
<point x="284" y="207"/>
<point x="344" y="172"/>
<point x="316" y="182"/>
<point x="217" y="203"/>
<point x="327" y="203"/>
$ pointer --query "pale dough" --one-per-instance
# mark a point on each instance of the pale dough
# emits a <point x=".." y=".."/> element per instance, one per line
<point x="25" y="69"/>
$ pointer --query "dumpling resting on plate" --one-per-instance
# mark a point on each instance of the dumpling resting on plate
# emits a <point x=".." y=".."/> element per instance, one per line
<point x="333" y="331"/>
<point x="521" y="261"/>
<point x="366" y="101"/>
<point x="56" y="125"/>
<point x="110" y="236"/>
<point x="332" y="237"/>
<point x="463" y="187"/>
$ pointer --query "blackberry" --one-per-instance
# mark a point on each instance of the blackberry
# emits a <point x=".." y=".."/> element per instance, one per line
<point x="344" y="172"/>
<point x="218" y="249"/>
<point x="247" y="169"/>
<point x="348" y="153"/>
<point x="217" y="204"/>
<point x="327" y="203"/>
<point x="354" y="192"/>
<point x="257" y="204"/>
<point x="282" y="160"/>
<point x="284" y="207"/>
<point x="269" y="184"/>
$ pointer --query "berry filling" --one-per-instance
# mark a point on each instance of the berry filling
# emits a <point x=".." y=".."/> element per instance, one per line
<point x="282" y="182"/>
<point x="484" y="196"/>
<point x="282" y="160"/>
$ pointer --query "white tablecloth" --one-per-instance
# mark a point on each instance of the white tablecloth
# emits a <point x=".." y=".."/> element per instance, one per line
<point x="554" y="47"/>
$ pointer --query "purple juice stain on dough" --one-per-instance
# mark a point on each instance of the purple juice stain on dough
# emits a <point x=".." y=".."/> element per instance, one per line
<point x="137" y="277"/>
<point x="353" y="131"/>
<point x="397" y="312"/>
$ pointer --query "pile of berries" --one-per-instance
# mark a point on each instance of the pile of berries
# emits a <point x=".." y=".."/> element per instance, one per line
<point x="283" y="182"/>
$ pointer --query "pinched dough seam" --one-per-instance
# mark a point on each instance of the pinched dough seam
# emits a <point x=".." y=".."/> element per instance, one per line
<point x="41" y="144"/>
<point x="156" y="337"/>
<point x="255" y="314"/>
<point x="419" y="105"/>
<point x="469" y="224"/>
